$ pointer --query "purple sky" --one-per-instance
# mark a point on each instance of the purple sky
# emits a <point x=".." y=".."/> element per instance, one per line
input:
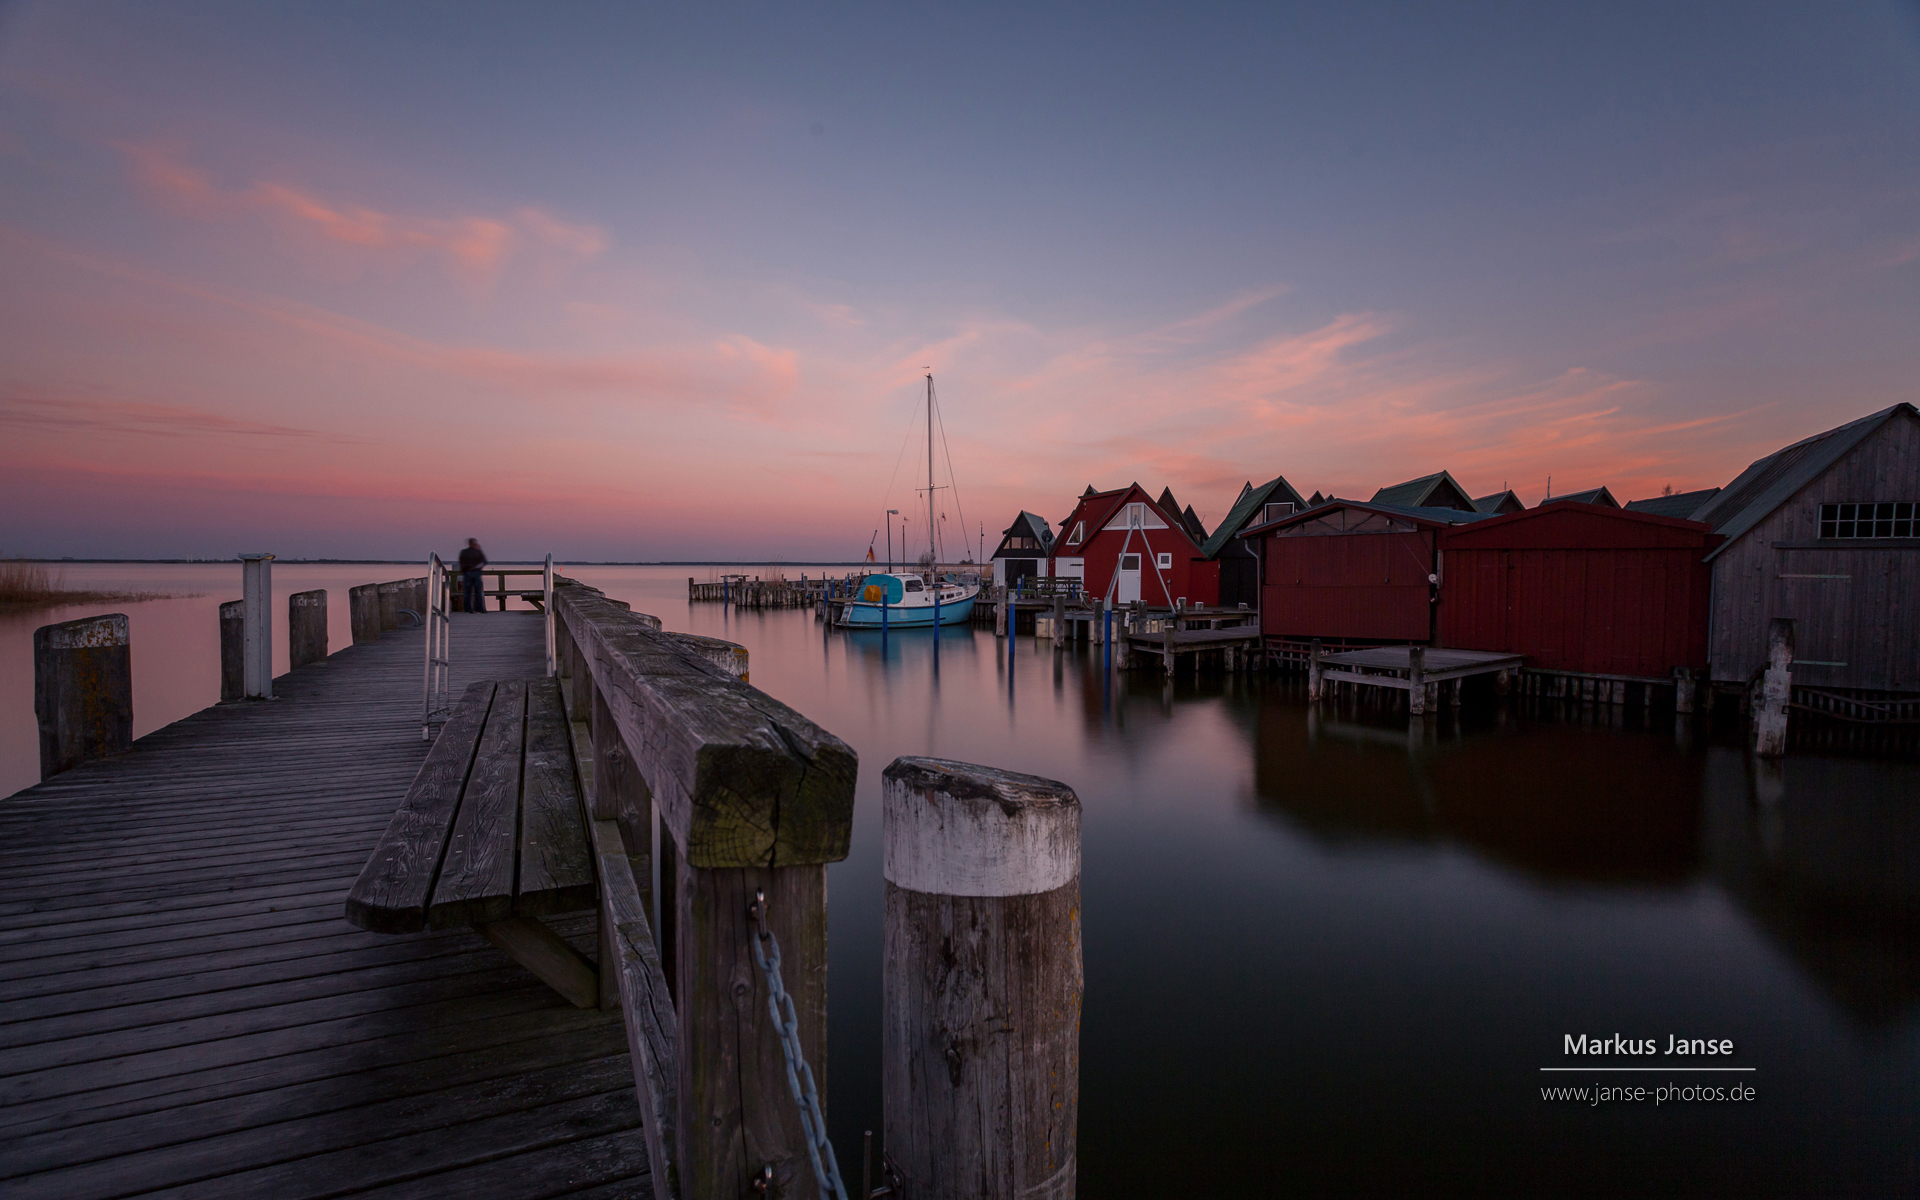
<point x="363" y="279"/>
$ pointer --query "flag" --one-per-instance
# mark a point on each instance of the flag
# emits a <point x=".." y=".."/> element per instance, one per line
<point x="869" y="553"/>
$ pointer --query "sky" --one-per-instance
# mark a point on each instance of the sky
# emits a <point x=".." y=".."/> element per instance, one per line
<point x="662" y="282"/>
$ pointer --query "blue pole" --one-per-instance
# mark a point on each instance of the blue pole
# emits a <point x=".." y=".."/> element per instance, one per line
<point x="883" y="612"/>
<point x="1106" y="635"/>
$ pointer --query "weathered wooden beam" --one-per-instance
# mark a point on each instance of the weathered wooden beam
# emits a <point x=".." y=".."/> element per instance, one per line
<point x="739" y="778"/>
<point x="306" y="628"/>
<point x="82" y="691"/>
<point x="982" y="981"/>
<point x="631" y="980"/>
<point x="550" y="957"/>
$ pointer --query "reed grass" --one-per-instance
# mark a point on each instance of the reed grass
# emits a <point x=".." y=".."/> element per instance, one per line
<point x="25" y="584"/>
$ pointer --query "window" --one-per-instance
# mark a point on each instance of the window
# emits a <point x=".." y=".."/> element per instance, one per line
<point x="1079" y="533"/>
<point x="1136" y="516"/>
<point x="1163" y="561"/>
<point x="914" y="585"/>
<point x="1282" y="509"/>
<point x="1129" y="562"/>
<point x="1868" y="521"/>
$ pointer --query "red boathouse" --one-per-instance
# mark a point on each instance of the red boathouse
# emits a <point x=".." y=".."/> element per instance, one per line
<point x="1124" y="547"/>
<point x="1581" y="589"/>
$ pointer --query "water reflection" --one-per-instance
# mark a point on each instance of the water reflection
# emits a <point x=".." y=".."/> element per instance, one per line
<point x="1327" y="950"/>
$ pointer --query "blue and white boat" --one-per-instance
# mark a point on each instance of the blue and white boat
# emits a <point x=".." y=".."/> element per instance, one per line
<point x="906" y="602"/>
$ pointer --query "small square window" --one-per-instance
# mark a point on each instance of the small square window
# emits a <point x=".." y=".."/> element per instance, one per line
<point x="1163" y="561"/>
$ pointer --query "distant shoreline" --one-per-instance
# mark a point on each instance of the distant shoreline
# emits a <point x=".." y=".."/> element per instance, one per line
<point x="413" y="562"/>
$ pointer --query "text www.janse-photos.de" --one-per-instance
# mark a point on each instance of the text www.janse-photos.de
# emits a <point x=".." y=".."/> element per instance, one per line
<point x="1679" y="1056"/>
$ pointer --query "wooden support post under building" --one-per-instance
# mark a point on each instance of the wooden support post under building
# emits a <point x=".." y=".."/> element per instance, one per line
<point x="1316" y="679"/>
<point x="1682" y="690"/>
<point x="82" y="691"/>
<point x="982" y="981"/>
<point x="307" y="628"/>
<point x="1776" y="686"/>
<point x="233" y="651"/>
<point x="1416" y="680"/>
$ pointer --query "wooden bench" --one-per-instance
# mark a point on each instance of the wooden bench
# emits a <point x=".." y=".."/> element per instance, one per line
<point x="492" y="834"/>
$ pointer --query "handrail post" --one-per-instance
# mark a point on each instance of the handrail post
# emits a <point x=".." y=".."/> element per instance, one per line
<point x="750" y="797"/>
<point x="547" y="582"/>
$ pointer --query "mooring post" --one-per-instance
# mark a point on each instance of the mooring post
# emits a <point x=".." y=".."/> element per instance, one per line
<point x="981" y="978"/>
<point x="256" y="594"/>
<point x="233" y="651"/>
<point x="1776" y="686"/>
<point x="1316" y="674"/>
<point x="82" y="691"/>
<point x="307" y="628"/>
<point x="363" y="611"/>
<point x="1416" y="680"/>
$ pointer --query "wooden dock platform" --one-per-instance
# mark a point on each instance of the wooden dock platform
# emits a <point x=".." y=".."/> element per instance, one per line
<point x="184" y="1009"/>
<point x="1418" y="671"/>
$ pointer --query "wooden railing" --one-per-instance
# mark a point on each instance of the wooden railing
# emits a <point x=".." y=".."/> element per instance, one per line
<point x="742" y="794"/>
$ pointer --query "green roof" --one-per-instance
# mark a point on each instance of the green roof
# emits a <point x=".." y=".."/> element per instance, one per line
<point x="1252" y="501"/>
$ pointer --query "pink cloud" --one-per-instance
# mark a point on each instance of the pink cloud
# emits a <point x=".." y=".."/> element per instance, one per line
<point x="472" y="243"/>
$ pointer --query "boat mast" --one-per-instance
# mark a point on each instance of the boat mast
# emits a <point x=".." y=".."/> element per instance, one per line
<point x="934" y="552"/>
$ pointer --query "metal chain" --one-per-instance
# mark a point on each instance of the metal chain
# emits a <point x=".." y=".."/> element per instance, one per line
<point x="766" y="952"/>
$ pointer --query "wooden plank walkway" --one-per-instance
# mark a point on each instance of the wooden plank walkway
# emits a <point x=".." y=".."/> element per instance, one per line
<point x="184" y="1010"/>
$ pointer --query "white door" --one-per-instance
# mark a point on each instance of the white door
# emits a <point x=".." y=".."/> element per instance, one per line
<point x="1129" y="589"/>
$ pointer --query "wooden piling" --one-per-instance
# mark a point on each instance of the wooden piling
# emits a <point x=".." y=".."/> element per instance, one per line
<point x="306" y="628"/>
<point x="82" y="691"/>
<point x="1775" y="687"/>
<point x="1416" y="680"/>
<point x="1316" y="674"/>
<point x="391" y="601"/>
<point x="1682" y="690"/>
<point x="233" y="651"/>
<point x="982" y="982"/>
<point x="363" y="611"/>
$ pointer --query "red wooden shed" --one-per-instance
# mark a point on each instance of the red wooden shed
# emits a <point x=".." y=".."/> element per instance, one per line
<point x="1353" y="570"/>
<point x="1581" y="589"/>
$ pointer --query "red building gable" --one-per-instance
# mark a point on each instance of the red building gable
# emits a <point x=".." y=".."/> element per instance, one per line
<point x="1124" y="547"/>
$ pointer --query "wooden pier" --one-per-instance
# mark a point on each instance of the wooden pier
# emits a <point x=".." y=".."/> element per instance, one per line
<point x="186" y="1009"/>
<point x="1418" y="671"/>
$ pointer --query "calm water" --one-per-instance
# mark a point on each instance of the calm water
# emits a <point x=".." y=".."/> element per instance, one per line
<point x="1323" y="955"/>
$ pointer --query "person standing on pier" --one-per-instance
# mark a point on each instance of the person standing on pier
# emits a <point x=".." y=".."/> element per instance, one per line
<point x="471" y="560"/>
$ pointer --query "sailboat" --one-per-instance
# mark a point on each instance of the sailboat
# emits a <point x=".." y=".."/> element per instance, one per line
<point x="904" y="600"/>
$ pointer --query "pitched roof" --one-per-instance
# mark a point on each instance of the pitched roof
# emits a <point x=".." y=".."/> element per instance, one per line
<point x="1194" y="526"/>
<point x="1028" y="525"/>
<point x="1680" y="504"/>
<point x="1251" y="504"/>
<point x="1600" y="496"/>
<point x="1500" y="502"/>
<point x="1773" y="480"/>
<point x="1424" y="491"/>
<point x="1420" y="513"/>
<point x="1316" y="500"/>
